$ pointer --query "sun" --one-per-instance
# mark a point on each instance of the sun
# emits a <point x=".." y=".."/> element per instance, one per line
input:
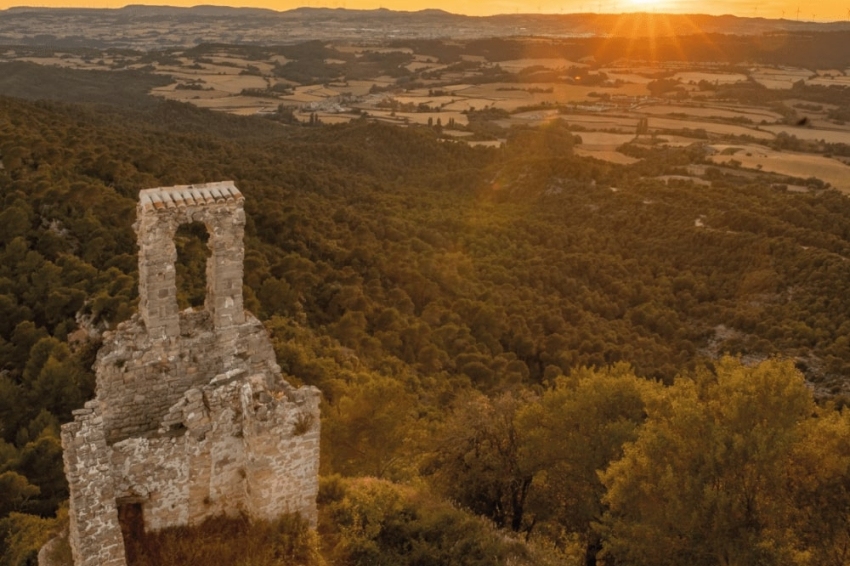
<point x="646" y="4"/>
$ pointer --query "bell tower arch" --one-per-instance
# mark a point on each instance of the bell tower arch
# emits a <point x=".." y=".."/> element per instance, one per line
<point x="219" y="206"/>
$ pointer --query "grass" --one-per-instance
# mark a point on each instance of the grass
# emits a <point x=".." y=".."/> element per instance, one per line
<point x="226" y="541"/>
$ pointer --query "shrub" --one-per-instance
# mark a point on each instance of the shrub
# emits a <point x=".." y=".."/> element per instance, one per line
<point x="227" y="541"/>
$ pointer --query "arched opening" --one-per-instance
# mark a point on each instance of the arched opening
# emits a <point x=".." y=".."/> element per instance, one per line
<point x="191" y="266"/>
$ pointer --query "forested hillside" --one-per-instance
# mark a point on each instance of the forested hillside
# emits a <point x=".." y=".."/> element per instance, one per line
<point x="490" y="326"/>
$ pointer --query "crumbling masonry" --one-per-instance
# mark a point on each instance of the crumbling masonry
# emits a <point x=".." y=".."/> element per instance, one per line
<point x="192" y="418"/>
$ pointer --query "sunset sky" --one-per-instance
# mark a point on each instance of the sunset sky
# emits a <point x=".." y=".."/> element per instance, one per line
<point x="826" y="10"/>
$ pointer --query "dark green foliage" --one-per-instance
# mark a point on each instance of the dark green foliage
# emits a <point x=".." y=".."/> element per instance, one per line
<point x="192" y="254"/>
<point x="398" y="272"/>
<point x="476" y="460"/>
<point x="37" y="82"/>
<point x="800" y="49"/>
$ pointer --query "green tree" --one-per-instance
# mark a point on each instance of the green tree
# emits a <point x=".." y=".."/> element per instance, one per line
<point x="819" y="488"/>
<point x="15" y="221"/>
<point x="40" y="462"/>
<point x="572" y="434"/>
<point x="642" y="127"/>
<point x="705" y="480"/>
<point x="478" y="459"/>
<point x="373" y="522"/>
<point x="21" y="537"/>
<point x="15" y="491"/>
<point x="366" y="430"/>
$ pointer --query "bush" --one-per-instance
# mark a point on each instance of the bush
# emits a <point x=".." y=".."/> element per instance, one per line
<point x="21" y="537"/>
<point x="372" y="522"/>
<point x="226" y="541"/>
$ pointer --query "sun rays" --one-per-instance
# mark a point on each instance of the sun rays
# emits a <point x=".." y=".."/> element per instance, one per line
<point x="644" y="35"/>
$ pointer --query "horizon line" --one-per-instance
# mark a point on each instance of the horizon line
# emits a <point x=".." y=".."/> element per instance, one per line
<point x="401" y="11"/>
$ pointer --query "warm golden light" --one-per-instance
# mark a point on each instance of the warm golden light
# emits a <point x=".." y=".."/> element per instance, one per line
<point x="827" y="10"/>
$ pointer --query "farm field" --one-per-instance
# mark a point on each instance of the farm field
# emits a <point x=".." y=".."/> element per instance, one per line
<point x="814" y="134"/>
<point x="779" y="78"/>
<point x="407" y="86"/>
<point x="604" y="140"/>
<point x="240" y="105"/>
<point x="609" y="155"/>
<point x="801" y="165"/>
<point x="717" y="128"/>
<point x="626" y="76"/>
<point x="712" y="78"/>
<point x="755" y="115"/>
<point x="830" y="81"/>
<point x="517" y="65"/>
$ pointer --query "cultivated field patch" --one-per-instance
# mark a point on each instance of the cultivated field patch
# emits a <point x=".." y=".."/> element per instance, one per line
<point x="713" y="78"/>
<point x="841" y="81"/>
<point x="779" y="78"/>
<point x="803" y="165"/>
<point x="516" y="65"/>
<point x="724" y="112"/>
<point x="814" y="134"/>
<point x="656" y="123"/>
<point x="626" y="77"/>
<point x="603" y="140"/>
<point x="605" y="155"/>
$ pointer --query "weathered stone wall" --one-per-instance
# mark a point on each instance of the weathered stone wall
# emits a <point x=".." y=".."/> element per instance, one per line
<point x="140" y="377"/>
<point x="155" y="472"/>
<point x="281" y="432"/>
<point x="95" y="534"/>
<point x="158" y="214"/>
<point x="192" y="418"/>
<point x="229" y="447"/>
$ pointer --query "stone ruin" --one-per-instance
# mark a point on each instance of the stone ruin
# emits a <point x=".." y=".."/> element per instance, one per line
<point x="191" y="418"/>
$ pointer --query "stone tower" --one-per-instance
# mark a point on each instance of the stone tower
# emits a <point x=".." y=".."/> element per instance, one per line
<point x="191" y="417"/>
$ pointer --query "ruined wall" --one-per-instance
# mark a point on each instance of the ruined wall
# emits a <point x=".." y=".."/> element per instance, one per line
<point x="240" y="449"/>
<point x="191" y="418"/>
<point x="271" y="455"/>
<point x="93" y="515"/>
<point x="158" y="214"/>
<point x="147" y="364"/>
<point x="140" y="377"/>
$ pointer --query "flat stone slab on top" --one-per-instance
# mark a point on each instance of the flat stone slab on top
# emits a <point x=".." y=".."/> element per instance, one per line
<point x="162" y="198"/>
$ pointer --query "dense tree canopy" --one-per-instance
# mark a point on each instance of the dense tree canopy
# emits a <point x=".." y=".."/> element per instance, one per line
<point x="707" y="480"/>
<point x="495" y="326"/>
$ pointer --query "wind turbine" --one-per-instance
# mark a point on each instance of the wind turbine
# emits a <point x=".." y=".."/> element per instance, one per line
<point x="798" y="13"/>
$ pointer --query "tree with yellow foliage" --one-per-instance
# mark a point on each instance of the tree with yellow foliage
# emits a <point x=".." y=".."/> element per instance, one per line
<point x="707" y="479"/>
<point x="575" y="431"/>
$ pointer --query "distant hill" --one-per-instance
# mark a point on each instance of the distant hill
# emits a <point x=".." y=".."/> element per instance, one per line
<point x="146" y="27"/>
